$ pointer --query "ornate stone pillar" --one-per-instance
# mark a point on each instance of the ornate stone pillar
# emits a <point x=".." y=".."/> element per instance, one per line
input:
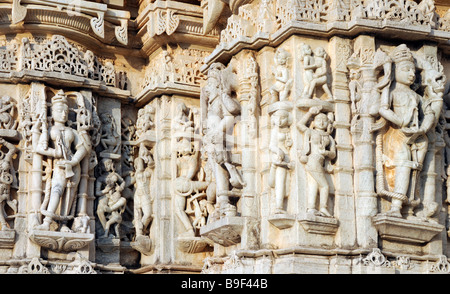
<point x="340" y="50"/>
<point x="248" y="98"/>
<point x="363" y="140"/>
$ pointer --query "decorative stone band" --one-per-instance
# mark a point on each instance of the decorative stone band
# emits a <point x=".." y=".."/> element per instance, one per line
<point x="55" y="60"/>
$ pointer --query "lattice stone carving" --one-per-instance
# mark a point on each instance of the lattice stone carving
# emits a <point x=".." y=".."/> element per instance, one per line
<point x="56" y="55"/>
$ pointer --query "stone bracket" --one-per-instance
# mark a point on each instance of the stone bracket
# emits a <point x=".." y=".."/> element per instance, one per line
<point x="408" y="231"/>
<point x="225" y="231"/>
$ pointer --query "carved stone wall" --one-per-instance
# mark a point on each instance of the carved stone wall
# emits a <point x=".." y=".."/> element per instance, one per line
<point x="260" y="136"/>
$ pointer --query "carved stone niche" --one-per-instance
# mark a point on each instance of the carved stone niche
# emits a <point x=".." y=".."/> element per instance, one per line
<point x="406" y="231"/>
<point x="226" y="231"/>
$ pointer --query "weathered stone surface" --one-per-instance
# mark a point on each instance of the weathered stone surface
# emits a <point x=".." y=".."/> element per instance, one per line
<point x="243" y="136"/>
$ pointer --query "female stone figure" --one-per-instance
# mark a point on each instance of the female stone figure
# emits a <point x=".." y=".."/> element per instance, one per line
<point x="142" y="197"/>
<point x="319" y="146"/>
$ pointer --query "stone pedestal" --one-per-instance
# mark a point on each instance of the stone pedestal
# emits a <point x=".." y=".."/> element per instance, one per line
<point x="402" y="230"/>
<point x="225" y="231"/>
<point x="319" y="225"/>
<point x="282" y="221"/>
<point x="61" y="241"/>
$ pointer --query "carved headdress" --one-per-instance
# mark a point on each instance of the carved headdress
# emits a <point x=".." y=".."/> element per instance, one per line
<point x="60" y="97"/>
<point x="402" y="53"/>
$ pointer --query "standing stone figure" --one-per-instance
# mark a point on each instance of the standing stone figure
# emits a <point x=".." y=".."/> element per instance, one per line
<point x="219" y="111"/>
<point x="318" y="147"/>
<point x="280" y="143"/>
<point x="405" y="141"/>
<point x="67" y="147"/>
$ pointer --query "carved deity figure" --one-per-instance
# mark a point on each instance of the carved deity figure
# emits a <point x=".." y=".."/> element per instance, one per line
<point x="314" y="71"/>
<point x="67" y="148"/>
<point x="6" y="179"/>
<point x="405" y="142"/>
<point x="219" y="110"/>
<point x="280" y="143"/>
<point x="318" y="148"/>
<point x="283" y="83"/>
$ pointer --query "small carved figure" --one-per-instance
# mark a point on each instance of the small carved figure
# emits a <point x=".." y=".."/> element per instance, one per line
<point x="6" y="179"/>
<point x="7" y="112"/>
<point x="142" y="197"/>
<point x="318" y="147"/>
<point x="283" y="83"/>
<point x="319" y="78"/>
<point x="307" y="59"/>
<point x="109" y="187"/>
<point x="110" y="139"/>
<point x="114" y="205"/>
<point x="355" y="89"/>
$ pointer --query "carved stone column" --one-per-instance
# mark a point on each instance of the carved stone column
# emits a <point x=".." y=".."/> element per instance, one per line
<point x="340" y="50"/>
<point x="363" y="140"/>
<point x="248" y="98"/>
<point x="163" y="197"/>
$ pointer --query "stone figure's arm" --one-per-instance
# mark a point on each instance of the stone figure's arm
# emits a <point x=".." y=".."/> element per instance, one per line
<point x="81" y="150"/>
<point x="331" y="154"/>
<point x="385" y="110"/>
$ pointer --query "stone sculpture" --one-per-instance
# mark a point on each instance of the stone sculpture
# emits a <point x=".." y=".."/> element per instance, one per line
<point x="7" y="175"/>
<point x="280" y="143"/>
<point x="314" y="71"/>
<point x="318" y="148"/>
<point x="283" y="82"/>
<point x="66" y="161"/>
<point x="219" y="110"/>
<point x="405" y="142"/>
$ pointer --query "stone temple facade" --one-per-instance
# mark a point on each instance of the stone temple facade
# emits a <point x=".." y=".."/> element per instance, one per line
<point x="224" y="136"/>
